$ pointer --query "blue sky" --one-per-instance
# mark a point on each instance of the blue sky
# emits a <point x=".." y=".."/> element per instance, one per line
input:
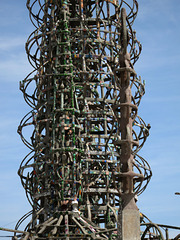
<point x="157" y="27"/>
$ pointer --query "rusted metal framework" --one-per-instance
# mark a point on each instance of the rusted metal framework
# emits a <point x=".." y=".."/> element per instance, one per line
<point x="155" y="231"/>
<point x="83" y="131"/>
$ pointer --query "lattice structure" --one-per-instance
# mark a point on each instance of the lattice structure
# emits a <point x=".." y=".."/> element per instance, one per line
<point x="84" y="131"/>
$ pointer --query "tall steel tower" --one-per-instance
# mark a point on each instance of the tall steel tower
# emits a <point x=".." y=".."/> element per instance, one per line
<point x="83" y="172"/>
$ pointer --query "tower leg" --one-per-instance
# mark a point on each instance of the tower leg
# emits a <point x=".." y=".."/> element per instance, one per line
<point x="128" y="219"/>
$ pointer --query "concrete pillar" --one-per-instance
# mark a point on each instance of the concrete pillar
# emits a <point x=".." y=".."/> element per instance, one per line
<point x="128" y="219"/>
